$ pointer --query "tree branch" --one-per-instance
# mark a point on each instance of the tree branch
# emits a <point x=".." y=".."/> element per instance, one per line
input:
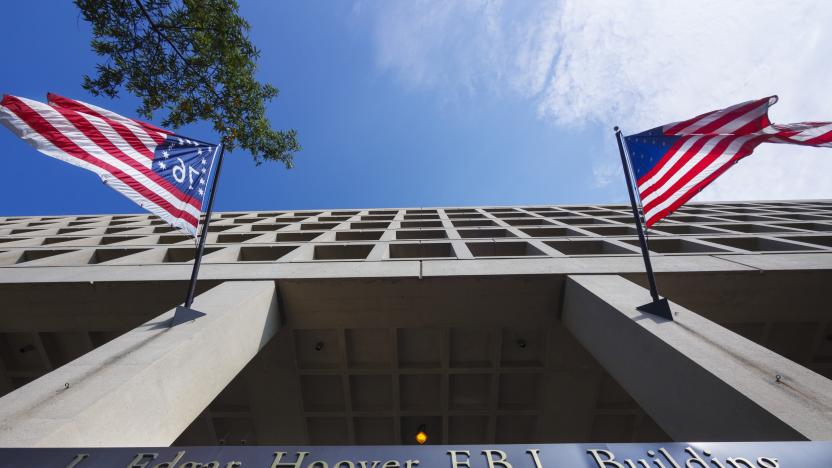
<point x="172" y="46"/>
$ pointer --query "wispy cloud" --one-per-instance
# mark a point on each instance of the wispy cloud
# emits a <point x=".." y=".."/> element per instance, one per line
<point x="640" y="64"/>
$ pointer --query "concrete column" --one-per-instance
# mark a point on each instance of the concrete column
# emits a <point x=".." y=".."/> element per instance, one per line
<point x="146" y="386"/>
<point x="696" y="379"/>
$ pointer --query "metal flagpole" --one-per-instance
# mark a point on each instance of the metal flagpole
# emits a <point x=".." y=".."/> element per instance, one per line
<point x="184" y="314"/>
<point x="659" y="306"/>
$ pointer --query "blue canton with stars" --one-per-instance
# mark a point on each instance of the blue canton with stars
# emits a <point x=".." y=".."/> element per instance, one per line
<point x="186" y="164"/>
<point x="646" y="149"/>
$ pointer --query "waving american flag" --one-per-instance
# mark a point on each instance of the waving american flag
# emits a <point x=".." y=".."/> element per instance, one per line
<point x="165" y="173"/>
<point x="674" y="162"/>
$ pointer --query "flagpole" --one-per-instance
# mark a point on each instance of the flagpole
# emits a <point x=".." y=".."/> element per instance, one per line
<point x="659" y="306"/>
<point x="189" y="299"/>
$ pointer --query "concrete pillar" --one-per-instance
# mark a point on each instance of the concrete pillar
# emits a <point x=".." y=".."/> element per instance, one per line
<point x="696" y="379"/>
<point x="146" y="386"/>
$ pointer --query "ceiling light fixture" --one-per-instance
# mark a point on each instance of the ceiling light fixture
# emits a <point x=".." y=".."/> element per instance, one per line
<point x="421" y="436"/>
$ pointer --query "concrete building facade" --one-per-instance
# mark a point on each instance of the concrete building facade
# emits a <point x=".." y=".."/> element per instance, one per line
<point x="355" y="327"/>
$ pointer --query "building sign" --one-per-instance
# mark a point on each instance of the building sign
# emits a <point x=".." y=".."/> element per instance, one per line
<point x="669" y="455"/>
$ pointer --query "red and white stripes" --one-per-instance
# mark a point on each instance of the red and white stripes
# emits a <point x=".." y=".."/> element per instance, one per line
<point x="118" y="149"/>
<point x="710" y="144"/>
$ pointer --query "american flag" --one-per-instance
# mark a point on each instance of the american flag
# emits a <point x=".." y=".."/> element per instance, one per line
<point x="674" y="162"/>
<point x="165" y="173"/>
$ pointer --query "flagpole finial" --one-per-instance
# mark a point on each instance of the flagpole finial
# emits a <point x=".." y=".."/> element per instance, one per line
<point x="615" y="129"/>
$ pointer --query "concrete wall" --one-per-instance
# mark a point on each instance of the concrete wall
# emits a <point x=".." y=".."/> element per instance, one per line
<point x="146" y="386"/>
<point x="698" y="380"/>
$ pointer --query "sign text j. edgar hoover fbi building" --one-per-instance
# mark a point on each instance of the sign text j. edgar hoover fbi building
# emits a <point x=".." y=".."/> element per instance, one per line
<point x="671" y="455"/>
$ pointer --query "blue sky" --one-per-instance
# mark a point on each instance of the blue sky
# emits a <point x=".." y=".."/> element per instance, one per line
<point x="427" y="103"/>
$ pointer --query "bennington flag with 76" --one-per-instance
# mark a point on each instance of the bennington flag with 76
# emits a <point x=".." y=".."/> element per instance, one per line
<point x="674" y="162"/>
<point x="166" y="174"/>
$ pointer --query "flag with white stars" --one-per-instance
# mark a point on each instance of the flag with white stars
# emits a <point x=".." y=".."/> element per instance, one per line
<point x="185" y="163"/>
<point x="164" y="173"/>
<point x="674" y="162"/>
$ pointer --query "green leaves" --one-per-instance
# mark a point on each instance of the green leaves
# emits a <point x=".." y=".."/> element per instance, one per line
<point x="191" y="59"/>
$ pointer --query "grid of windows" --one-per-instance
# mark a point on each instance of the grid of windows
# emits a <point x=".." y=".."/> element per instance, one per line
<point x="395" y="234"/>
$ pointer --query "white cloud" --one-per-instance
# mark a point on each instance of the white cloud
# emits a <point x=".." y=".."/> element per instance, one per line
<point x="640" y="64"/>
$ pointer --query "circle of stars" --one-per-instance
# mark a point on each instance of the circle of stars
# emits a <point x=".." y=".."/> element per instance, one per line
<point x="201" y="152"/>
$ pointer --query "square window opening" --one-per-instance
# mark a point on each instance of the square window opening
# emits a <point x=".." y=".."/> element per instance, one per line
<point x="263" y="254"/>
<point x="503" y="249"/>
<point x="428" y="250"/>
<point x="342" y="252"/>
